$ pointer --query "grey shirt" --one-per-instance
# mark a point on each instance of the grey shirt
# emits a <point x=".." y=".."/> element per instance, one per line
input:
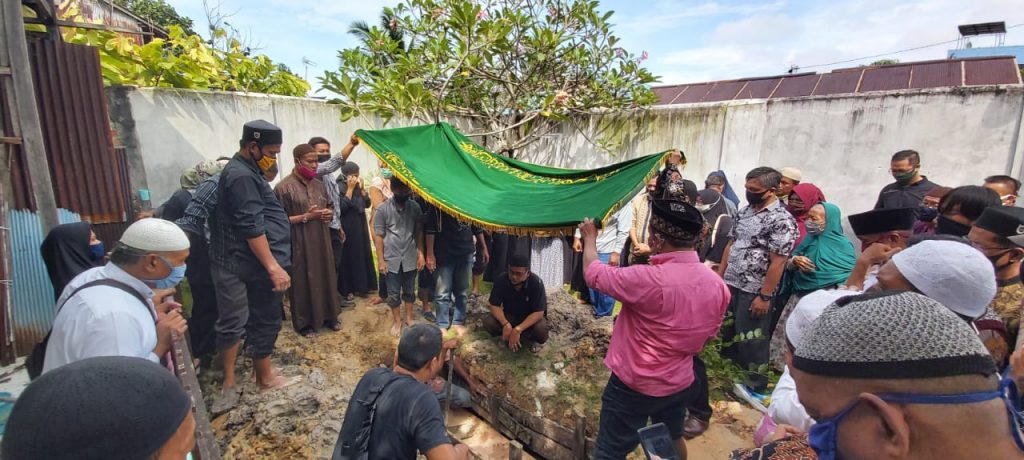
<point x="399" y="229"/>
<point x="326" y="172"/>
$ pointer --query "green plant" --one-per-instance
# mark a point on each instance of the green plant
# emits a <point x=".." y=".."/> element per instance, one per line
<point x="515" y="69"/>
<point x="183" y="61"/>
<point x="159" y="12"/>
<point x="723" y="372"/>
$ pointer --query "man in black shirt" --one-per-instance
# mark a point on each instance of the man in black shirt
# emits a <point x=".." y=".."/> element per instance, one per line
<point x="408" y="417"/>
<point x="450" y="248"/>
<point x="250" y="251"/>
<point x="519" y="306"/>
<point x="910" y="187"/>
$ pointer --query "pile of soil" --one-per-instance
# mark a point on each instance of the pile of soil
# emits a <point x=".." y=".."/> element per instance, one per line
<point x="303" y="420"/>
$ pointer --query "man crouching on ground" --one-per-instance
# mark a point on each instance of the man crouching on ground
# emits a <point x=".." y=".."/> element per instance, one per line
<point x="393" y="413"/>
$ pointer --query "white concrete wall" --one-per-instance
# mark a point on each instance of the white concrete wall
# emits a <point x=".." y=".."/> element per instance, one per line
<point x="842" y="143"/>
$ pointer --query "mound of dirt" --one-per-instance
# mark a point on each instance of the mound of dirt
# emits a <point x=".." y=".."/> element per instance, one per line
<point x="303" y="420"/>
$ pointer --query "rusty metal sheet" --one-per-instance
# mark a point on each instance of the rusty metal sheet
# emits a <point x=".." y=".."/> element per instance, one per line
<point x="76" y="130"/>
<point x="837" y="83"/>
<point x="886" y="78"/>
<point x="936" y="75"/>
<point x="694" y="93"/>
<point x="666" y="94"/>
<point x="21" y="183"/>
<point x="759" y="89"/>
<point x="724" y="91"/>
<point x="997" y="71"/>
<point x="796" y="86"/>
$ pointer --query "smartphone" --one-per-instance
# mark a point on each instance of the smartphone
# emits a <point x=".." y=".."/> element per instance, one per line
<point x="657" y="443"/>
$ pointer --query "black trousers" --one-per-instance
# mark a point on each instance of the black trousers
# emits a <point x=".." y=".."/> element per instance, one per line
<point x="749" y="354"/>
<point x="336" y="246"/>
<point x="624" y="411"/>
<point x="201" y="333"/>
<point x="700" y="402"/>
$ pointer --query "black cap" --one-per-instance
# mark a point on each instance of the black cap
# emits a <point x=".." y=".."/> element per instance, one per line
<point x="883" y="220"/>
<point x="97" y="408"/>
<point x="1005" y="221"/>
<point x="261" y="132"/>
<point x="676" y="219"/>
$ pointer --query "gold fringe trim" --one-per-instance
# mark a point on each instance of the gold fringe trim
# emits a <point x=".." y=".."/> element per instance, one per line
<point x="508" y="229"/>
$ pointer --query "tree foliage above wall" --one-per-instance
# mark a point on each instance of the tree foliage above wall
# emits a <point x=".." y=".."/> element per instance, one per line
<point x="184" y="61"/>
<point x="517" y="69"/>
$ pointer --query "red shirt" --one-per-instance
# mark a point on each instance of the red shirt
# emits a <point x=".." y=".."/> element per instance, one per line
<point x="670" y="309"/>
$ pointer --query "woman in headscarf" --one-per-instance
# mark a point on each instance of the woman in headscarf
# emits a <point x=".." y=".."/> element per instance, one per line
<point x="359" y="276"/>
<point x="718" y="179"/>
<point x="314" y="298"/>
<point x="803" y="198"/>
<point x="68" y="250"/>
<point x="174" y="208"/>
<point x="823" y="260"/>
<point x="716" y="213"/>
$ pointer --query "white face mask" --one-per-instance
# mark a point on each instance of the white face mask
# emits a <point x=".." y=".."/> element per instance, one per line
<point x="703" y="207"/>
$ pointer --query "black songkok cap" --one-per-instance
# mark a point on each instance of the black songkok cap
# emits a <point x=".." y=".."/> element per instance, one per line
<point x="97" y="408"/>
<point x="261" y="132"/>
<point x="1005" y="221"/>
<point x="883" y="220"/>
<point x="676" y="219"/>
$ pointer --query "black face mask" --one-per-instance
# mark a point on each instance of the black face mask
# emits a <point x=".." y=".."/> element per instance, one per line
<point x="323" y="158"/>
<point x="755" y="198"/>
<point x="927" y="214"/>
<point x="947" y="226"/>
<point x="401" y="199"/>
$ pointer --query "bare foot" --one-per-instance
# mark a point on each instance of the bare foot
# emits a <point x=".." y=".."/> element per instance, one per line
<point x="396" y="329"/>
<point x="376" y="301"/>
<point x="279" y="382"/>
<point x="409" y="323"/>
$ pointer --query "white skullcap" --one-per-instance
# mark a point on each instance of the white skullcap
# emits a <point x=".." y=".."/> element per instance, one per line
<point x="155" y="235"/>
<point x="792" y="173"/>
<point x="808" y="309"/>
<point x="954" y="274"/>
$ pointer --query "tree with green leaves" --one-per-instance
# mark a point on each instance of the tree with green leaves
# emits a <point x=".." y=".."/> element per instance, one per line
<point x="515" y="69"/>
<point x="158" y="11"/>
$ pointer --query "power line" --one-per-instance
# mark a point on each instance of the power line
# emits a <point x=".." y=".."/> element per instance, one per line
<point x="891" y="53"/>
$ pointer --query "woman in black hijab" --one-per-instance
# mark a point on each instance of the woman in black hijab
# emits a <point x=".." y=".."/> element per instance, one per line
<point x="68" y="250"/>
<point x="716" y="214"/>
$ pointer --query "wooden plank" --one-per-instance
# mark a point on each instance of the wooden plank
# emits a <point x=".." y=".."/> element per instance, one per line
<point x="515" y="451"/>
<point x="206" y="447"/>
<point x="579" y="448"/>
<point x="10" y="140"/>
<point x="5" y="70"/>
<point x="556" y="432"/>
<point x="537" y="442"/>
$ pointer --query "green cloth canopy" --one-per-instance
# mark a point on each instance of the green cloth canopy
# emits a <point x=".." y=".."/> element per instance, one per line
<point x="499" y="193"/>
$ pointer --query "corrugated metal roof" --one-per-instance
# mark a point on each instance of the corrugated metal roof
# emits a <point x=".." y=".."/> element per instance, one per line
<point x="936" y="75"/>
<point x="894" y="77"/>
<point x="796" y="86"/>
<point x="76" y="130"/>
<point x="990" y="72"/>
<point x="837" y="83"/>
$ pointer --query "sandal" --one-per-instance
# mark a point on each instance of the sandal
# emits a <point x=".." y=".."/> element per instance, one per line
<point x="308" y="332"/>
<point x="429" y="316"/>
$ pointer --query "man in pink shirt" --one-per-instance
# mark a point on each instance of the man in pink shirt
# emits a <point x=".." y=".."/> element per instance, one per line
<point x="670" y="309"/>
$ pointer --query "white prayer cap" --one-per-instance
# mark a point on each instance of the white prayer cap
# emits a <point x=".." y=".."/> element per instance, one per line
<point x="156" y="235"/>
<point x="808" y="309"/>
<point x="792" y="173"/>
<point x="955" y="274"/>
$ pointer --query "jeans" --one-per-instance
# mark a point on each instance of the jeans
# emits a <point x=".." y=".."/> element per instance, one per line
<point x="699" y="405"/>
<point x="460" y="396"/>
<point x="604" y="304"/>
<point x="453" y="285"/>
<point x="401" y="287"/>
<point x="624" y="411"/>
<point x="748" y="354"/>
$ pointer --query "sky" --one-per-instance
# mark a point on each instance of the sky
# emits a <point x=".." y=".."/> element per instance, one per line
<point x="687" y="41"/>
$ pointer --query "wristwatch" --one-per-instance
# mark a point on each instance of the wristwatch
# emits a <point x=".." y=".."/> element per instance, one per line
<point x="764" y="297"/>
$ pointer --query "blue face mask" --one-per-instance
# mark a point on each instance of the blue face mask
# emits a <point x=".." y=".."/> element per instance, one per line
<point x="97" y="251"/>
<point x="177" y="274"/>
<point x="814" y="228"/>
<point x="824" y="435"/>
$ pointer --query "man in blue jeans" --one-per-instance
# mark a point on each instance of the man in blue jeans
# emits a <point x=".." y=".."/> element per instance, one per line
<point x="450" y="247"/>
<point x="610" y="241"/>
<point x="398" y="237"/>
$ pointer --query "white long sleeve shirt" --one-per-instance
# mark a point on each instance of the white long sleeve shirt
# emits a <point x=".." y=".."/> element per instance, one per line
<point x="785" y="406"/>
<point x="102" y="320"/>
<point x="612" y="238"/>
